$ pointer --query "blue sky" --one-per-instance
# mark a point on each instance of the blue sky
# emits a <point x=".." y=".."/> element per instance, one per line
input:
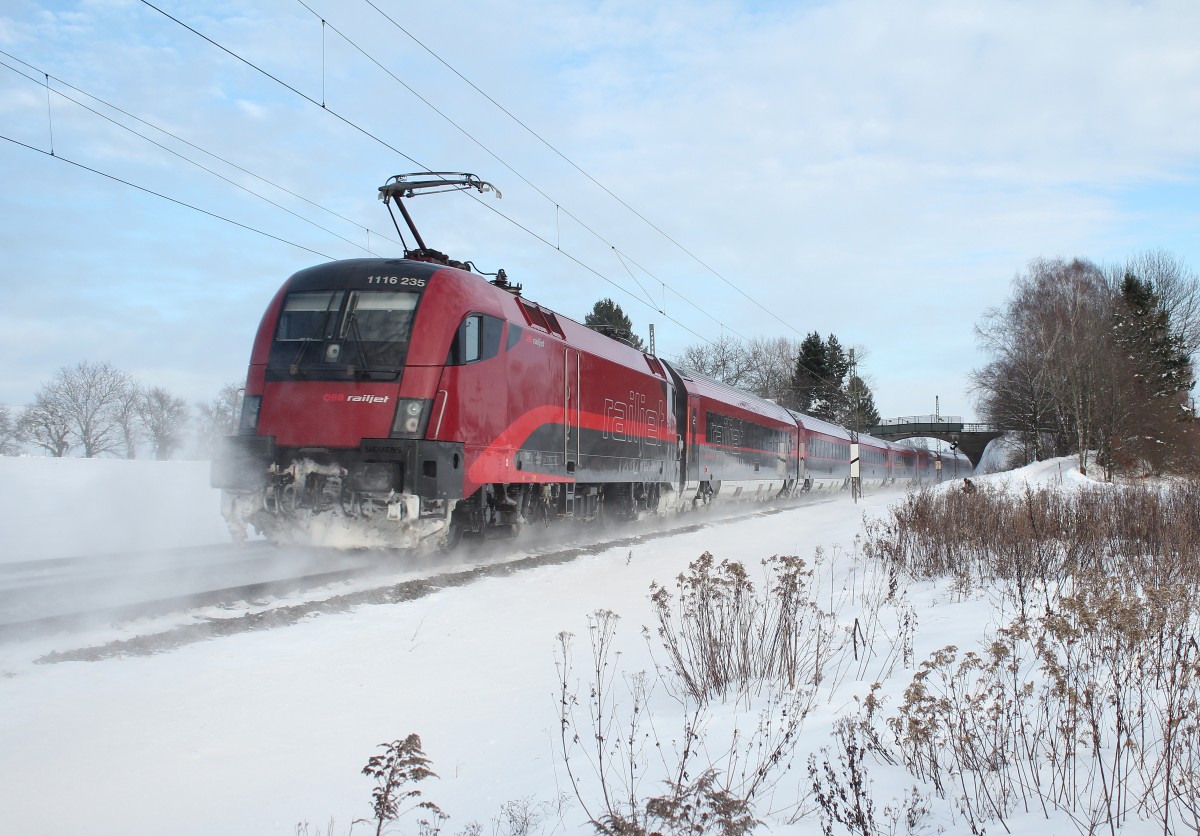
<point x="877" y="170"/>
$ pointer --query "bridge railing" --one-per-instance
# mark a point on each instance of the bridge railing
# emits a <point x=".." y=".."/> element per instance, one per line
<point x="922" y="419"/>
<point x="930" y="424"/>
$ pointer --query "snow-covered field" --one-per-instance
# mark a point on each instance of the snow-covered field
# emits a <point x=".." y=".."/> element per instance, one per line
<point x="256" y="732"/>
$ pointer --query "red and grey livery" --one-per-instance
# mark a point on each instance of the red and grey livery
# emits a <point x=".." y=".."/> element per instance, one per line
<point x="394" y="402"/>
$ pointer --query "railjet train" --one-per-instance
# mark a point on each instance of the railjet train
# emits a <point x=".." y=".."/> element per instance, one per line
<point x="400" y="402"/>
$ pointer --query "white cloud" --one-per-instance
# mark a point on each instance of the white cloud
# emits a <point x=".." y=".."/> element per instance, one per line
<point x="253" y="110"/>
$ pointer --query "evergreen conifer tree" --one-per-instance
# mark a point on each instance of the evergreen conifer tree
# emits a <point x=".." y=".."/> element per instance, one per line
<point x="1160" y="363"/>
<point x="608" y="318"/>
<point x="811" y="371"/>
<point x="860" y="412"/>
<point x="837" y="366"/>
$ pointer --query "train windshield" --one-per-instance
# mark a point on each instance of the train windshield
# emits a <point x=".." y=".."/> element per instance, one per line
<point x="378" y="324"/>
<point x="309" y="316"/>
<point x="333" y="333"/>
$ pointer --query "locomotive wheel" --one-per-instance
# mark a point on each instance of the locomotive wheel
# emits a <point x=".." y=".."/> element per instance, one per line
<point x="289" y="499"/>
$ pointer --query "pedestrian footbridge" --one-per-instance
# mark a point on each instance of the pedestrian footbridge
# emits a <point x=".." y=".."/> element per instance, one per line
<point x="969" y="438"/>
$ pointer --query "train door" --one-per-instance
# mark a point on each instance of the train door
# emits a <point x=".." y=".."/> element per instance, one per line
<point x="693" y="456"/>
<point x="572" y="409"/>
<point x="802" y="462"/>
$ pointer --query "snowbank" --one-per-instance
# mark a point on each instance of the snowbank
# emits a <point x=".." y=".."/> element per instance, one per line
<point x="1062" y="472"/>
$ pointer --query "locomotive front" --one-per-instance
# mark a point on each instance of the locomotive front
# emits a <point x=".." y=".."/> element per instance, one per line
<point x="338" y="398"/>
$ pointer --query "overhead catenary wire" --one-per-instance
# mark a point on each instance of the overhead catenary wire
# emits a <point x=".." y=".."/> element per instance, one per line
<point x="193" y="162"/>
<point x="221" y="217"/>
<point x="176" y="201"/>
<point x="578" y="168"/>
<point x="285" y="85"/>
<point x="224" y="160"/>
<point x="350" y="123"/>
<point x="217" y="216"/>
<point x="558" y="208"/>
<point x="425" y="101"/>
<point x="624" y="258"/>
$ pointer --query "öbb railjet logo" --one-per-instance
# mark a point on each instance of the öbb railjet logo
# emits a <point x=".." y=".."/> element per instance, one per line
<point x="338" y="397"/>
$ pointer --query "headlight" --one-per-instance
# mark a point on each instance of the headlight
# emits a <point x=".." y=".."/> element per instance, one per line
<point x="410" y="418"/>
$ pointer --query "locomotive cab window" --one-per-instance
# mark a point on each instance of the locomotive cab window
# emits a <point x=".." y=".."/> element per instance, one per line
<point x="332" y="334"/>
<point x="309" y="315"/>
<point x="380" y="316"/>
<point x="378" y="325"/>
<point x="478" y="338"/>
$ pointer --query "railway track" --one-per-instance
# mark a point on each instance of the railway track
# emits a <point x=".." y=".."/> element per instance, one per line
<point x="70" y="593"/>
<point x="375" y="578"/>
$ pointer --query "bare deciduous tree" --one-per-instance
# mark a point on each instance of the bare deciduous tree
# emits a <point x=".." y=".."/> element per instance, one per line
<point x="45" y="424"/>
<point x="725" y="359"/>
<point x="91" y="394"/>
<point x="124" y="412"/>
<point x="164" y="419"/>
<point x="219" y="417"/>
<point x="1079" y="305"/>
<point x="80" y="407"/>
<point x="769" y="365"/>
<point x="10" y="442"/>
<point x="1049" y="344"/>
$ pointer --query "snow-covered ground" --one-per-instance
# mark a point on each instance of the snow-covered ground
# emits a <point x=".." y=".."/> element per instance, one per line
<point x="256" y="732"/>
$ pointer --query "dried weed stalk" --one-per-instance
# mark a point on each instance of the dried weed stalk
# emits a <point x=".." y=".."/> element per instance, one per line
<point x="1087" y="703"/>
<point x="724" y="640"/>
<point x="631" y="778"/>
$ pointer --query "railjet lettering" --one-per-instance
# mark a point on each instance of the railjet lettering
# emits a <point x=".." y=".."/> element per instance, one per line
<point x="337" y="397"/>
<point x="623" y="418"/>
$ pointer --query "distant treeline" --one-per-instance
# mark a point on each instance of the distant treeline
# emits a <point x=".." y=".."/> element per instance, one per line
<point x="94" y="409"/>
